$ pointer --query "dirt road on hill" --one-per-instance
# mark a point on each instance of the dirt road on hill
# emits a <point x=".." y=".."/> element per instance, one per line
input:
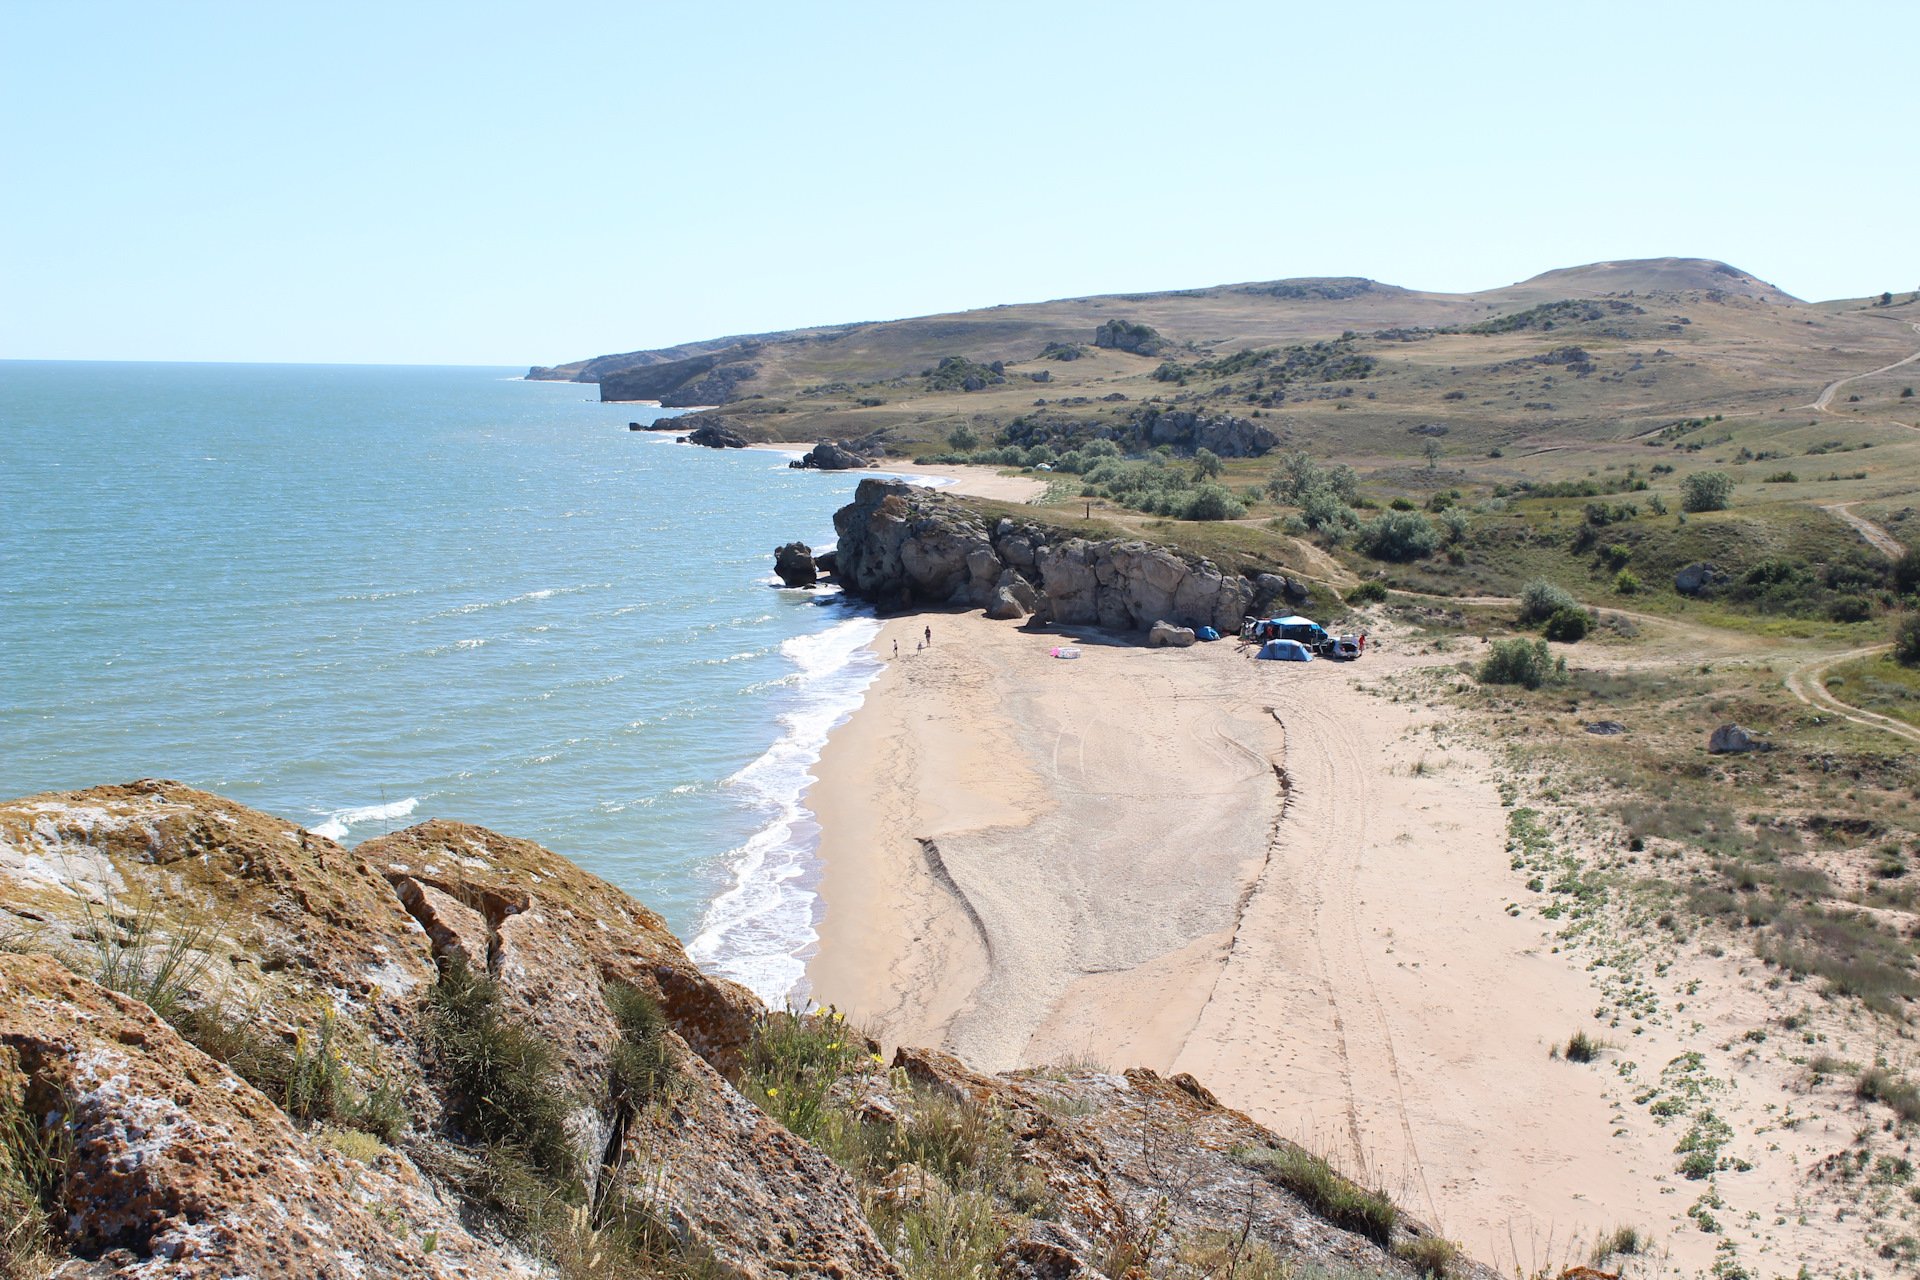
<point x="1807" y="683"/>
<point x="1825" y="398"/>
<point x="1882" y="541"/>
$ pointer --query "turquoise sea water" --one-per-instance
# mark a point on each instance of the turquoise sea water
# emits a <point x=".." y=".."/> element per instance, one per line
<point x="357" y="597"/>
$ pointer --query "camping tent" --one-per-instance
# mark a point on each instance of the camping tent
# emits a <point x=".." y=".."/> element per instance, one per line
<point x="1295" y="621"/>
<point x="1286" y="651"/>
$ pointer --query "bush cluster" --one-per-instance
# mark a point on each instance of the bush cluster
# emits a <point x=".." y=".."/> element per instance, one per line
<point x="1540" y="600"/>
<point x="1522" y="662"/>
<point x="1398" y="535"/>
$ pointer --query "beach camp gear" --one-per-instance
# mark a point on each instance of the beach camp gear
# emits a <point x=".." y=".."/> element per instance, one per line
<point x="1066" y="651"/>
<point x="1206" y="633"/>
<point x="1286" y="651"/>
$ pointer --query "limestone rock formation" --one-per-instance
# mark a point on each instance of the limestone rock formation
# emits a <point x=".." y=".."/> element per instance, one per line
<point x="714" y="434"/>
<point x="901" y="545"/>
<point x="831" y="456"/>
<point x="1222" y="434"/>
<point x="1124" y="335"/>
<point x="795" y="566"/>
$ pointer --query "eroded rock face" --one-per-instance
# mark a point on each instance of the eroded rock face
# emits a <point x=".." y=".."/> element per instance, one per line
<point x="901" y="546"/>
<point x="558" y="933"/>
<point x="181" y="1169"/>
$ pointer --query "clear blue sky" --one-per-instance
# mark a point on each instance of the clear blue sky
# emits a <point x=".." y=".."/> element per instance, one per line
<point x="494" y="183"/>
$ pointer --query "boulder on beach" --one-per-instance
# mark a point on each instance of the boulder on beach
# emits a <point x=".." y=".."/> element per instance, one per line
<point x="712" y="435"/>
<point x="829" y="456"/>
<point x="1166" y="635"/>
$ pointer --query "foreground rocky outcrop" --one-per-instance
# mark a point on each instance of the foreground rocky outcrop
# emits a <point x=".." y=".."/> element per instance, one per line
<point x="229" y="1047"/>
<point x="902" y="545"/>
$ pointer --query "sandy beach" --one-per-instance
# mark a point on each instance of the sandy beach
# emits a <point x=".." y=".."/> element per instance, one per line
<point x="1291" y="881"/>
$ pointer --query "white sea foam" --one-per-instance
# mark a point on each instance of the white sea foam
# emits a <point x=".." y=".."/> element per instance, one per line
<point x="757" y="930"/>
<point x="335" y="827"/>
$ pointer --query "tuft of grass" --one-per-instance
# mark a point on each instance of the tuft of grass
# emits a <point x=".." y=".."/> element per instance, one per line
<point x="501" y="1082"/>
<point x="1582" y="1047"/>
<point x="1880" y="1084"/>
<point x="1620" y="1242"/>
<point x="308" y="1081"/>
<point x="642" y="1065"/>
<point x="33" y="1163"/>
<point x="1338" y="1200"/>
<point x="136" y="953"/>
<point x="1429" y="1255"/>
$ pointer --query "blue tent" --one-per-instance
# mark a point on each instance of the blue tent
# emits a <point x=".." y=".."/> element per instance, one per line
<point x="1286" y="651"/>
<point x="1206" y="633"/>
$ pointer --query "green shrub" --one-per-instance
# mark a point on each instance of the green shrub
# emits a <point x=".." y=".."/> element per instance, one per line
<point x="1401" y="504"/>
<point x="1540" y="600"/>
<point x="1520" y="662"/>
<point x="1626" y="582"/>
<point x="1905" y="574"/>
<point x="1372" y="591"/>
<point x="1781" y="477"/>
<point x="1568" y="626"/>
<point x="792" y="1064"/>
<point x="1850" y="609"/>
<point x="1336" y="1199"/>
<point x="642" y="1064"/>
<point x="1398" y="535"/>
<point x="1906" y="641"/>
<point x="1212" y="502"/>
<point x="1878" y="1084"/>
<point x="501" y="1080"/>
<point x="1706" y="491"/>
<point x="1582" y="1047"/>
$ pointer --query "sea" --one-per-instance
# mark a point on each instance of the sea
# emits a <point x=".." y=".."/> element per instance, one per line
<point x="358" y="597"/>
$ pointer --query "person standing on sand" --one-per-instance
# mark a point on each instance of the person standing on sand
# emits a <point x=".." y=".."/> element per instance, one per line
<point x="929" y="635"/>
<point x="896" y="648"/>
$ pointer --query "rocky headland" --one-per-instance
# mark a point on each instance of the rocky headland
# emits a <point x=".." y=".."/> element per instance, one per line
<point x="231" y="1047"/>
<point x="902" y="545"/>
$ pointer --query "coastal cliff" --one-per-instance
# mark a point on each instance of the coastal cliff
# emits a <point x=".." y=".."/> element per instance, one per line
<point x="902" y="545"/>
<point x="228" y="1046"/>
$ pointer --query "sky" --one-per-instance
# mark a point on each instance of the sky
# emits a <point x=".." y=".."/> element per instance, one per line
<point x="475" y="183"/>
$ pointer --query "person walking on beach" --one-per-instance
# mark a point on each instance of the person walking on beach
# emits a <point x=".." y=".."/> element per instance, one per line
<point x="896" y="648"/>
<point x="929" y="635"/>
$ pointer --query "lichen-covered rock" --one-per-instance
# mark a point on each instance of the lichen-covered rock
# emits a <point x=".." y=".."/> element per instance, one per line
<point x="182" y="1170"/>
<point x="578" y="933"/>
<point x="264" y="915"/>
<point x="1164" y="635"/>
